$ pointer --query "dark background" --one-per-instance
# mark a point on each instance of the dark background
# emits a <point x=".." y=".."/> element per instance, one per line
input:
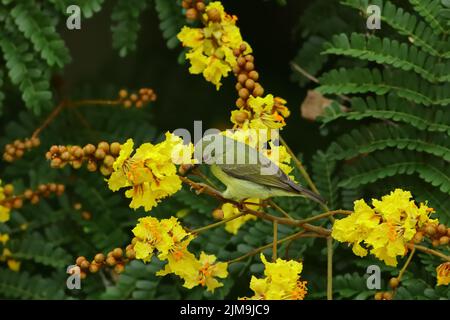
<point x="271" y="30"/>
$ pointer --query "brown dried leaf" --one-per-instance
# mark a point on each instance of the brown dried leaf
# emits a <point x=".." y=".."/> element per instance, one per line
<point x="314" y="105"/>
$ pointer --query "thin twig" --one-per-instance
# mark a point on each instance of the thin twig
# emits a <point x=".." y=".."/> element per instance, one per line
<point x="300" y="166"/>
<point x="199" y="173"/>
<point x="216" y="224"/>
<point x="69" y="104"/>
<point x="297" y="223"/>
<point x="257" y="250"/>
<point x="310" y="77"/>
<point x="94" y="102"/>
<point x="281" y="210"/>
<point x="402" y="271"/>
<point x="49" y="119"/>
<point x="405" y="266"/>
<point x="305" y="73"/>
<point x="329" y="268"/>
<point x="275" y="239"/>
<point x="325" y="215"/>
<point x="429" y="251"/>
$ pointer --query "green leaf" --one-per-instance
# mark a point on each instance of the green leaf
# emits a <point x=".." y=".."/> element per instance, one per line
<point x="391" y="52"/>
<point x="22" y="285"/>
<point x="406" y="85"/>
<point x="407" y="24"/>
<point x="323" y="168"/>
<point x="430" y="10"/>
<point x="171" y="21"/>
<point x="391" y="108"/>
<point x="390" y="163"/>
<point x="126" y="25"/>
<point x="378" y="137"/>
<point x="37" y="26"/>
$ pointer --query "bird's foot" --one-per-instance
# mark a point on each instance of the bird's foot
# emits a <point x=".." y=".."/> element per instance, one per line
<point x="204" y="188"/>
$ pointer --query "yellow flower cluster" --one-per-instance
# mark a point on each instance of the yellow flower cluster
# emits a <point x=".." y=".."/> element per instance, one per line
<point x="443" y="274"/>
<point x="230" y="210"/>
<point x="281" y="282"/>
<point x="13" y="264"/>
<point x="384" y="229"/>
<point x="150" y="172"/>
<point x="4" y="211"/>
<point x="169" y="241"/>
<point x="211" y="52"/>
<point x="261" y="113"/>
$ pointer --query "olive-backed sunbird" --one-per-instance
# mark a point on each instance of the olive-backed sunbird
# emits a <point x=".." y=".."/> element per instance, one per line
<point x="246" y="172"/>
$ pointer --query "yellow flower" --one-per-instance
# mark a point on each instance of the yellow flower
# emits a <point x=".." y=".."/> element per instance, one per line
<point x="230" y="210"/>
<point x="4" y="211"/>
<point x="209" y="270"/>
<point x="267" y="112"/>
<point x="5" y="254"/>
<point x="260" y="287"/>
<point x="14" y="265"/>
<point x="281" y="282"/>
<point x="196" y="272"/>
<point x="4" y="214"/>
<point x="386" y="243"/>
<point x="4" y="238"/>
<point x="253" y="137"/>
<point x="356" y="227"/>
<point x="2" y="192"/>
<point x="183" y="264"/>
<point x="165" y="237"/>
<point x="384" y="229"/>
<point x="212" y="46"/>
<point x="150" y="172"/>
<point x="443" y="274"/>
<point x="280" y="156"/>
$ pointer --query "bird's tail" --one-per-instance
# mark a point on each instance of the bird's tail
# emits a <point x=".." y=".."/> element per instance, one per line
<point x="311" y="195"/>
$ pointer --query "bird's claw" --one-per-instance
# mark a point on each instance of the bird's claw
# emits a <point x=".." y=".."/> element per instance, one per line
<point x="200" y="190"/>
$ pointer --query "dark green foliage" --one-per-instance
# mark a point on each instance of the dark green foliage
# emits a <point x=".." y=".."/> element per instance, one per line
<point x="39" y="28"/>
<point x="137" y="282"/>
<point x="394" y="134"/>
<point x="15" y="285"/>
<point x="406" y="85"/>
<point x="88" y="7"/>
<point x="389" y="108"/>
<point x="32" y="48"/>
<point x="126" y="25"/>
<point x="394" y="131"/>
<point x="25" y="69"/>
<point x="323" y="174"/>
<point x="171" y="20"/>
<point x="400" y="112"/>
<point x="315" y="33"/>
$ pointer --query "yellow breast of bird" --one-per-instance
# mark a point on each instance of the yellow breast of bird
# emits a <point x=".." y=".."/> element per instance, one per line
<point x="239" y="189"/>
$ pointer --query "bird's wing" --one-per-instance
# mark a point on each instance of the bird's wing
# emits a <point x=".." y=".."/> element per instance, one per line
<point x="252" y="172"/>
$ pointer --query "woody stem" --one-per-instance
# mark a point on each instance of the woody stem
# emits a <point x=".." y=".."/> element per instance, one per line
<point x="216" y="224"/>
<point x="275" y="239"/>
<point x="429" y="251"/>
<point x="294" y="236"/>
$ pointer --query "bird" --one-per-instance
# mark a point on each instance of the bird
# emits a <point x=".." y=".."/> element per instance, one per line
<point x="246" y="172"/>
